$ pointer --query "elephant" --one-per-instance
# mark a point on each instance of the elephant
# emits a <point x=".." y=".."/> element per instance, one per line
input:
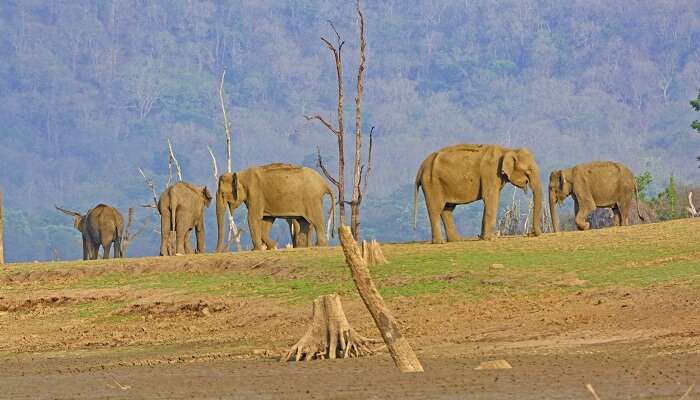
<point x="464" y="173"/>
<point x="101" y="226"/>
<point x="592" y="185"/>
<point x="181" y="207"/>
<point x="274" y="190"/>
<point x="299" y="230"/>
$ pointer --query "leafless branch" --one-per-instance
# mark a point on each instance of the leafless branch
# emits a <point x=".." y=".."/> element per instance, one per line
<point x="172" y="159"/>
<point x="68" y="212"/>
<point x="324" y="122"/>
<point x="227" y="125"/>
<point x="319" y="162"/>
<point x="369" y="164"/>
<point x="150" y="184"/>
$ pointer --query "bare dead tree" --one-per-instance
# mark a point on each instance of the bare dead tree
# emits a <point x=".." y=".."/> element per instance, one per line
<point x="338" y="131"/>
<point x="128" y="237"/>
<point x="360" y="181"/>
<point x="234" y="235"/>
<point x="2" y="231"/>
<point x="172" y="160"/>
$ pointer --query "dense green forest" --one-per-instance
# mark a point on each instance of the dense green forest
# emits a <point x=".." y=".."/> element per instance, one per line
<point x="91" y="90"/>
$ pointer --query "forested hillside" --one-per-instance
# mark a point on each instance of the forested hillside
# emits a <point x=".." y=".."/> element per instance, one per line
<point x="91" y="90"/>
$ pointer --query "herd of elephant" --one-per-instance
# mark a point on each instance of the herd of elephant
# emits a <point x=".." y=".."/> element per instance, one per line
<point x="459" y="174"/>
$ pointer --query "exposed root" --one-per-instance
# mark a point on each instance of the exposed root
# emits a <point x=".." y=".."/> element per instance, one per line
<point x="330" y="335"/>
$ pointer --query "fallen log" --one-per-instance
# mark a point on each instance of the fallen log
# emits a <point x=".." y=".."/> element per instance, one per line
<point x="399" y="348"/>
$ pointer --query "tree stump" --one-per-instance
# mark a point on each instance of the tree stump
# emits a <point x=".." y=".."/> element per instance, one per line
<point x="329" y="335"/>
<point x="372" y="253"/>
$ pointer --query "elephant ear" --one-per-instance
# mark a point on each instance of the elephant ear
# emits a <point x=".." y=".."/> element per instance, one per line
<point x="564" y="178"/>
<point x="508" y="164"/>
<point x="207" y="196"/>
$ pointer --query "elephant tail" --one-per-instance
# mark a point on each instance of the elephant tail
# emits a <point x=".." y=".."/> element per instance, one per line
<point x="636" y="201"/>
<point x="173" y="210"/>
<point x="417" y="185"/>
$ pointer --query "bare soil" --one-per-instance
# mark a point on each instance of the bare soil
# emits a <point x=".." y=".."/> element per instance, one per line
<point x="62" y="340"/>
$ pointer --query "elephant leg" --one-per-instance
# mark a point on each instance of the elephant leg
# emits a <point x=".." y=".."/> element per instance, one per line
<point x="93" y="250"/>
<point x="255" y="218"/>
<point x="180" y="235"/>
<point x="86" y="251"/>
<point x="316" y="219"/>
<point x="583" y="207"/>
<point x="303" y="234"/>
<point x="488" y="221"/>
<point x="266" y="224"/>
<point x="434" y="207"/>
<point x="624" y="209"/>
<point x="617" y="216"/>
<point x="449" y="223"/>
<point x="107" y="248"/>
<point x="199" y="231"/>
<point x="188" y="242"/>
<point x="165" y="232"/>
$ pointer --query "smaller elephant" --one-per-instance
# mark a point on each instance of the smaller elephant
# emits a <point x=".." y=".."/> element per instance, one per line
<point x="299" y="230"/>
<point x="101" y="226"/>
<point x="181" y="208"/>
<point x="600" y="184"/>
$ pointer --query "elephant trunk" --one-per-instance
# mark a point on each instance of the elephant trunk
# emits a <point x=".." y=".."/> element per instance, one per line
<point x="553" y="210"/>
<point x="220" y="211"/>
<point x="536" y="186"/>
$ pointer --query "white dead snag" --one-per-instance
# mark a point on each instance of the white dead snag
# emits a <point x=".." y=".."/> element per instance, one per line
<point x="691" y="207"/>
<point x="172" y="160"/>
<point x="234" y="235"/>
<point x="227" y="125"/>
<point x="372" y="253"/>
<point x="330" y="335"/>
<point x="339" y="132"/>
<point x="2" y="232"/>
<point x="404" y="357"/>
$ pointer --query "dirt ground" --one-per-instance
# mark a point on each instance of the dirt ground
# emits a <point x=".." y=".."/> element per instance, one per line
<point x="79" y="331"/>
<point x="641" y="344"/>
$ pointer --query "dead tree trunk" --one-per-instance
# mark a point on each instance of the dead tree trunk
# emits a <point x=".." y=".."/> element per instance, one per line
<point x="329" y="335"/>
<point x="357" y="190"/>
<point x="2" y="232"/>
<point x="404" y="357"/>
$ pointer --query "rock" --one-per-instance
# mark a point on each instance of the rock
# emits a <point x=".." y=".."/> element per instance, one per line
<point x="206" y="312"/>
<point x="495" y="364"/>
<point x="497" y="266"/>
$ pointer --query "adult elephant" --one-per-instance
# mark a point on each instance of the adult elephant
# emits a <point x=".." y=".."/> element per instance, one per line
<point x="465" y="173"/>
<point x="100" y="226"/>
<point x="181" y="208"/>
<point x="603" y="184"/>
<point x="274" y="190"/>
